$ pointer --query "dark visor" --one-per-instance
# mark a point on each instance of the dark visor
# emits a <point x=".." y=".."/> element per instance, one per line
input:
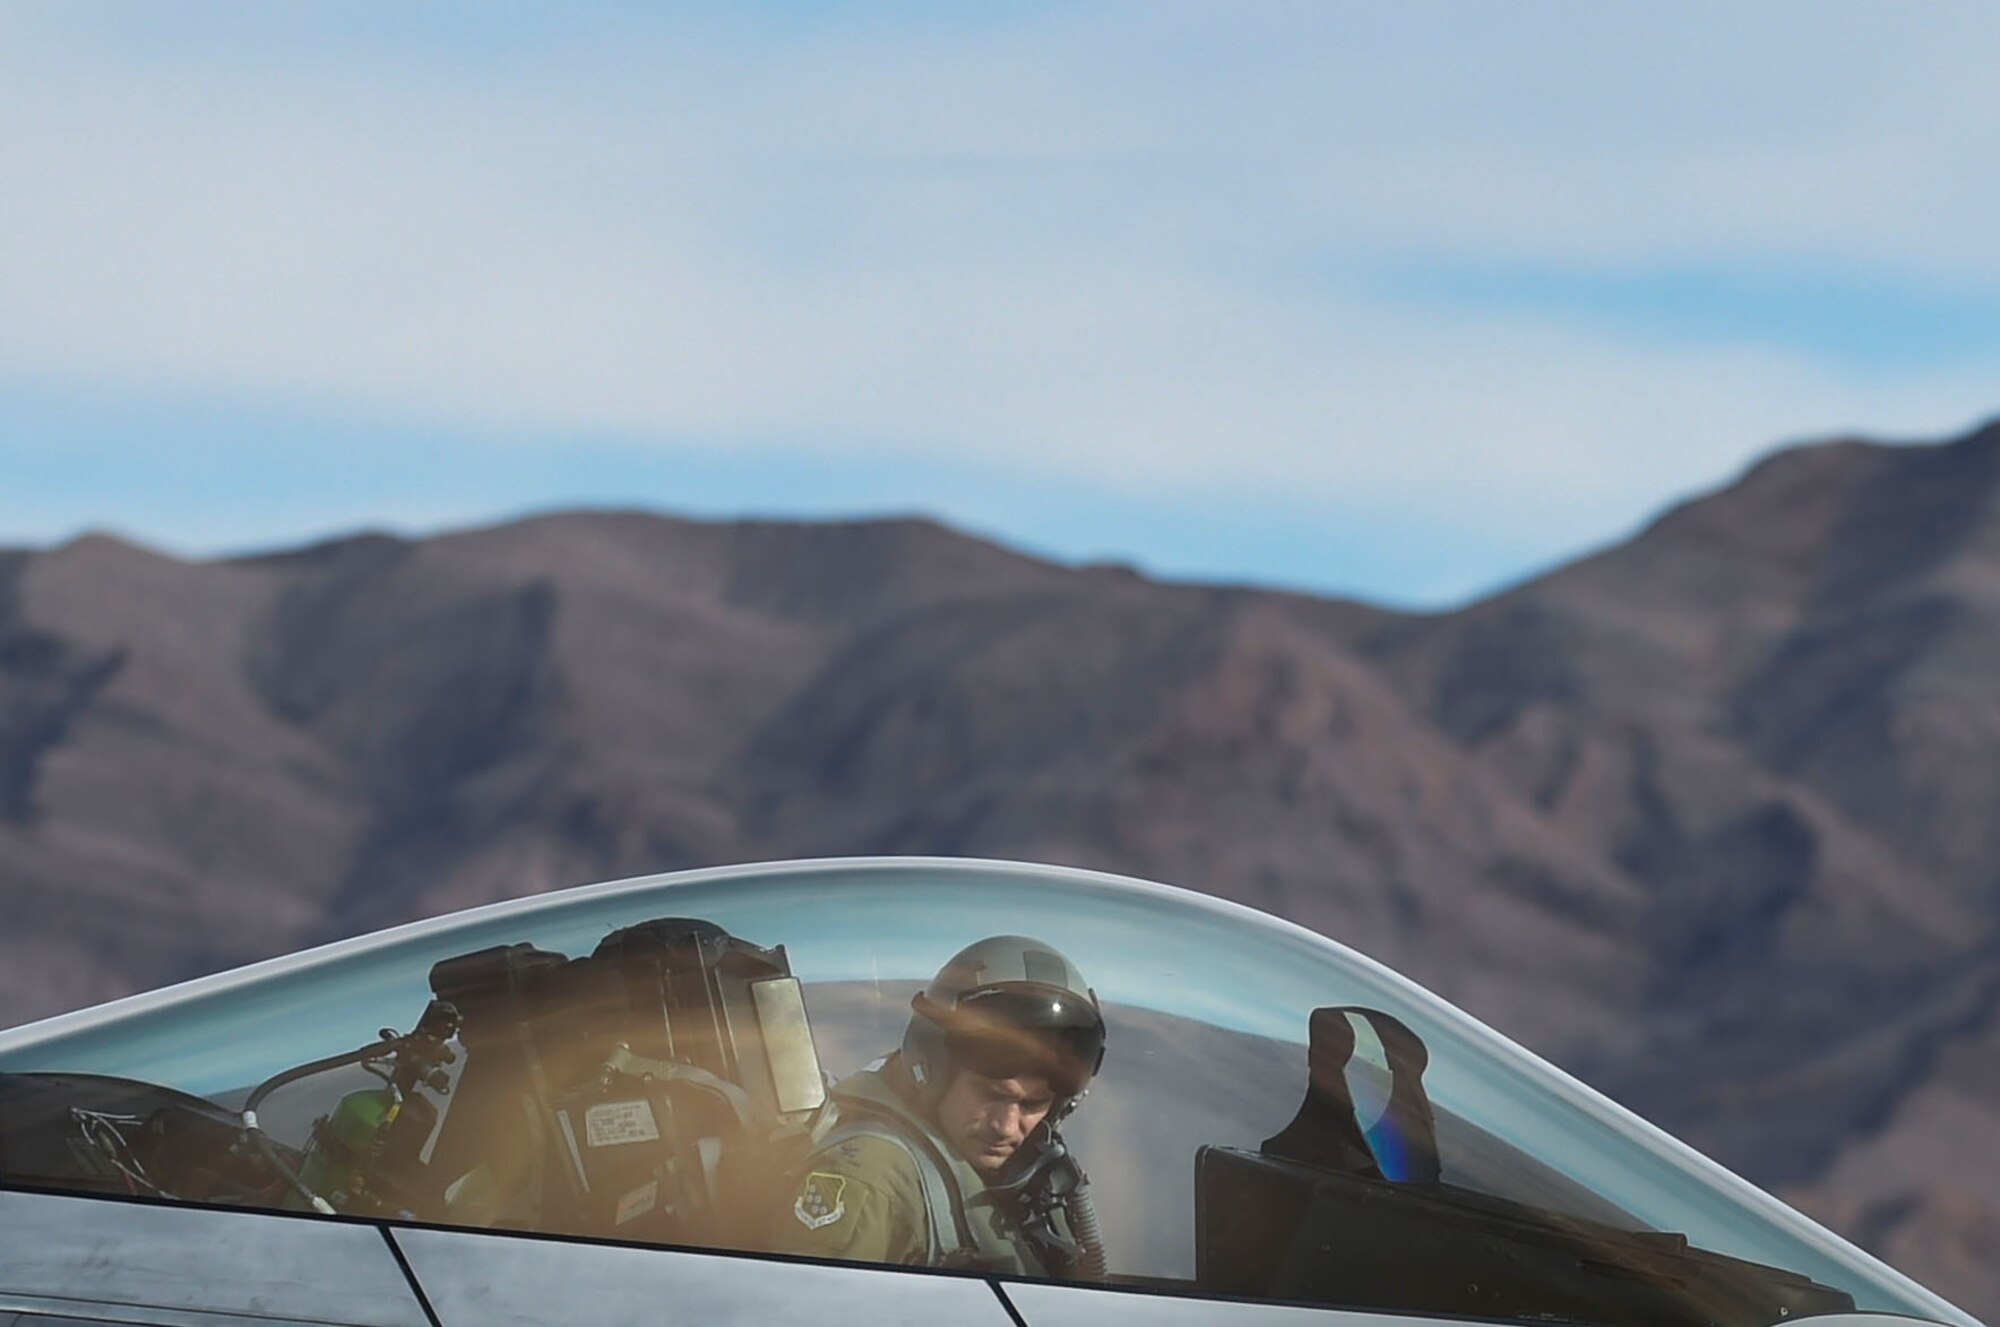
<point x="1067" y="1027"/>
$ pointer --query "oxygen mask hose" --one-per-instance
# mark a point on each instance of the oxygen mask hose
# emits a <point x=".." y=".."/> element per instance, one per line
<point x="1049" y="1178"/>
<point x="1083" y="1226"/>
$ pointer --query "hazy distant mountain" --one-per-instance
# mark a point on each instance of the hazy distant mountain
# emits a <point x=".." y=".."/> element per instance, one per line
<point x="1776" y="711"/>
<point x="1704" y="817"/>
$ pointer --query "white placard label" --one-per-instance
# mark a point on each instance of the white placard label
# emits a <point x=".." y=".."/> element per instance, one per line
<point x="610" y="1123"/>
<point x="638" y="1202"/>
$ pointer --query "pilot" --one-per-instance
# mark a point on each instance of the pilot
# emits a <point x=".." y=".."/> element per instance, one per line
<point x="946" y="1153"/>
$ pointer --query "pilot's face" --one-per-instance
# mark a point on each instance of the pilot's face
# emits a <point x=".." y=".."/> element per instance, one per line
<point x="987" y="1119"/>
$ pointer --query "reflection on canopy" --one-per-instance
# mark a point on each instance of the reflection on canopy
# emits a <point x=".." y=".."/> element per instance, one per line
<point x="1209" y="1009"/>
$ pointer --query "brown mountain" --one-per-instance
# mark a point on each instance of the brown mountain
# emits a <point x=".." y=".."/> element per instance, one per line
<point x="1773" y="710"/>
<point x="1702" y="816"/>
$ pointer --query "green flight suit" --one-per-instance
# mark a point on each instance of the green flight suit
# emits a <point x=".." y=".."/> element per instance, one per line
<point x="863" y="1196"/>
<point x="860" y="1199"/>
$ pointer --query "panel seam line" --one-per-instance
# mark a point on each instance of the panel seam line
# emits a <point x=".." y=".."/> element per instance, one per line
<point x="410" y="1275"/>
<point x="1000" y="1293"/>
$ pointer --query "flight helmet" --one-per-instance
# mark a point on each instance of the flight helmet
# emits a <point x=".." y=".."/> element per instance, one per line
<point x="1004" y="1006"/>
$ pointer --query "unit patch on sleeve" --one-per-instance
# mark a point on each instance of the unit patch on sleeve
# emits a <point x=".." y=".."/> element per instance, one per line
<point x="821" y="1200"/>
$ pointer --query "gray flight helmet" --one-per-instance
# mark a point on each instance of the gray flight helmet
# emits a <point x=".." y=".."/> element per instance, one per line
<point x="1012" y="1003"/>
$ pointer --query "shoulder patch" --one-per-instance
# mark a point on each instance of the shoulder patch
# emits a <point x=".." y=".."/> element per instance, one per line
<point x="822" y="1200"/>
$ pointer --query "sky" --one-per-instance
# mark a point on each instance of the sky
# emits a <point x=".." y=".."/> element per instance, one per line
<point x="1402" y="301"/>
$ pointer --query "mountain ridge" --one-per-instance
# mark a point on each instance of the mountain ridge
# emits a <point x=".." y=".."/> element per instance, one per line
<point x="1699" y="815"/>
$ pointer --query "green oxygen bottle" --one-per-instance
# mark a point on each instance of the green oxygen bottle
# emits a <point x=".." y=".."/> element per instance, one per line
<point x="346" y="1142"/>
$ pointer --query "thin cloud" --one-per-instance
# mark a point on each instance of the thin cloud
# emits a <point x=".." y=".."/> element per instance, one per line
<point x="1067" y="245"/>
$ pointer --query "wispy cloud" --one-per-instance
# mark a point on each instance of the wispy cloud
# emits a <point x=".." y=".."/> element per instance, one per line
<point x="1311" y="266"/>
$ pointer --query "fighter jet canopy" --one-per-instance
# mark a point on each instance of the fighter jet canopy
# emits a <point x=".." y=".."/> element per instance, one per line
<point x="1276" y="1115"/>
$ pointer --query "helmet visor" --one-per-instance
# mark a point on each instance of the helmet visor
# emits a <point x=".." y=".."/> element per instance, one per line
<point x="1027" y="1028"/>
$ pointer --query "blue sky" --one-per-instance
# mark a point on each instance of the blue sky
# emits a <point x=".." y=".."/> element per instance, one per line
<point x="1403" y="301"/>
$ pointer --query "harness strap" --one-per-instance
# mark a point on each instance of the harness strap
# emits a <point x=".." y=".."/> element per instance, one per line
<point x="944" y="1207"/>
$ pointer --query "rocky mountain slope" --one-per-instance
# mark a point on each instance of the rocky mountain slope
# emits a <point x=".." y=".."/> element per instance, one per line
<point x="1775" y="711"/>
<point x="1703" y="817"/>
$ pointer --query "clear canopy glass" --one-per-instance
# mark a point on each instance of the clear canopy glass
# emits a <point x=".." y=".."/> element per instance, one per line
<point x="1208" y="1010"/>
